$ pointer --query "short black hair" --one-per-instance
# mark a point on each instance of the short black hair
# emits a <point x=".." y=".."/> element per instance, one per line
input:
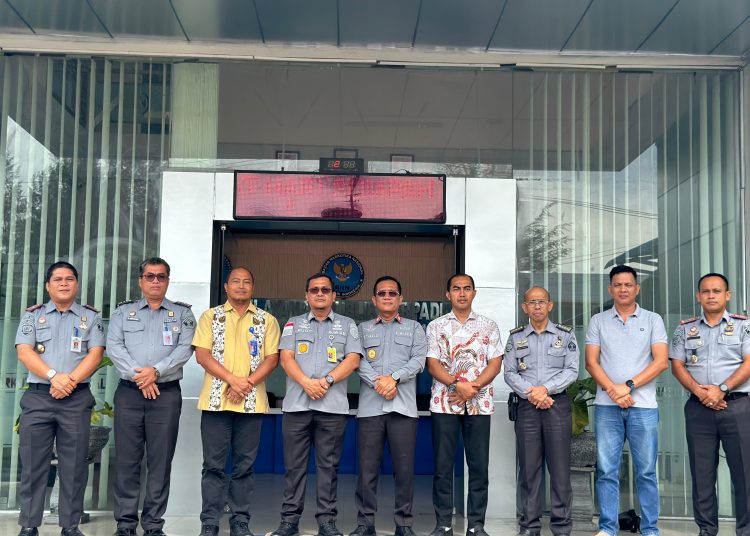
<point x="622" y="269"/>
<point x="454" y="276"/>
<point x="714" y="274"/>
<point x="59" y="264"/>
<point x="318" y="276"/>
<point x="386" y="278"/>
<point x="252" y="277"/>
<point x="153" y="261"/>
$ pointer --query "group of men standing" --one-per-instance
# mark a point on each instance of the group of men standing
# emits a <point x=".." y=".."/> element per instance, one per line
<point x="149" y="341"/>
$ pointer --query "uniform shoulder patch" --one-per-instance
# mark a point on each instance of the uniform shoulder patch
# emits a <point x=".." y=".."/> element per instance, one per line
<point x="91" y="308"/>
<point x="34" y="307"/>
<point x="565" y="328"/>
<point x="183" y="304"/>
<point x="738" y="317"/>
<point x="518" y="329"/>
<point x="688" y="320"/>
<point x="125" y="302"/>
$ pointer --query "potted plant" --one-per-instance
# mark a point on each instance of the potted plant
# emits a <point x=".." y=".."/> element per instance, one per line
<point x="582" y="453"/>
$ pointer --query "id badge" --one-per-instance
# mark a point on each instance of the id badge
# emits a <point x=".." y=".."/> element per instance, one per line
<point x="75" y="344"/>
<point x="167" y="338"/>
<point x="331" y="354"/>
<point x="253" y="345"/>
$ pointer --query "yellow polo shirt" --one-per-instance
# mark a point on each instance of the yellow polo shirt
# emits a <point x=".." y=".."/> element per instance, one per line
<point x="236" y="352"/>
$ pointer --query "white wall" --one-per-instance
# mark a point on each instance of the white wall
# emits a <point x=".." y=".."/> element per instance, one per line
<point x="191" y="202"/>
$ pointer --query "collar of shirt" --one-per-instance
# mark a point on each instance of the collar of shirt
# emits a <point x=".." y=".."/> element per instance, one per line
<point x="311" y="316"/>
<point x="251" y="309"/>
<point x="452" y="316"/>
<point x="74" y="308"/>
<point x="724" y="318"/>
<point x="615" y="314"/>
<point x="165" y="304"/>
<point x="379" y="320"/>
<point x="530" y="329"/>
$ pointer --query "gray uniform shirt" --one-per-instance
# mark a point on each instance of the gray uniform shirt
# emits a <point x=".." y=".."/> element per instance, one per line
<point x="625" y="350"/>
<point x="51" y="333"/>
<point x="310" y="339"/>
<point x="712" y="354"/>
<point x="136" y="338"/>
<point x="549" y="359"/>
<point x="399" y="349"/>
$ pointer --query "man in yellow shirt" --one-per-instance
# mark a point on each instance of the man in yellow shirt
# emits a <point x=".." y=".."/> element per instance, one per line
<point x="238" y="346"/>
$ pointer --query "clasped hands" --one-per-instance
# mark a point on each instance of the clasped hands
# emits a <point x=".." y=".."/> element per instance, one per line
<point x="539" y="397"/>
<point x="463" y="392"/>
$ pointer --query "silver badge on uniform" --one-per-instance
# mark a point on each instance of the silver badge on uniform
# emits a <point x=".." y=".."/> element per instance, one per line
<point x="522" y="366"/>
<point x="693" y="358"/>
<point x="40" y="348"/>
<point x="558" y="343"/>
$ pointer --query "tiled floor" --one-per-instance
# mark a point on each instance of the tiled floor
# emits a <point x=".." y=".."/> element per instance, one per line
<point x="266" y="504"/>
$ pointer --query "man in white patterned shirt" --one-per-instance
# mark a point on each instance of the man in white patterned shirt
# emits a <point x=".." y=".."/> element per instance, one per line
<point x="464" y="355"/>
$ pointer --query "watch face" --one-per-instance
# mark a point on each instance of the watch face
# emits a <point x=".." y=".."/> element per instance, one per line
<point x="329" y="379"/>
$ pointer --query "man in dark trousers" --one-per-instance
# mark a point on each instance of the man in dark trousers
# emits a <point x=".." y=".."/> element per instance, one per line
<point x="60" y="343"/>
<point x="148" y="342"/>
<point x="710" y="357"/>
<point x="541" y="361"/>
<point x="395" y="349"/>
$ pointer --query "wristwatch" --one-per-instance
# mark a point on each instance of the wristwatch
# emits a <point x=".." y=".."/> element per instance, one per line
<point x="396" y="377"/>
<point x="329" y="379"/>
<point x="51" y="374"/>
<point x="724" y="388"/>
<point x="630" y="384"/>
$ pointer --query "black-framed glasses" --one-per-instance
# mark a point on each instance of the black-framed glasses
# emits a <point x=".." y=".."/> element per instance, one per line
<point x="159" y="277"/>
<point x="389" y="293"/>
<point x="320" y="290"/>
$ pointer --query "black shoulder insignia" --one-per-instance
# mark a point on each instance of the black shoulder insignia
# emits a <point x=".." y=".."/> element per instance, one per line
<point x="738" y="317"/>
<point x="34" y="307"/>
<point x="565" y="328"/>
<point x="519" y="329"/>
<point x="688" y="320"/>
<point x="91" y="308"/>
<point x="125" y="302"/>
<point x="183" y="304"/>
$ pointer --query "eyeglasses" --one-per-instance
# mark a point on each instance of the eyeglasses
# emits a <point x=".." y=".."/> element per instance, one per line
<point x="151" y="277"/>
<point x="389" y="293"/>
<point x="319" y="290"/>
<point x="537" y="303"/>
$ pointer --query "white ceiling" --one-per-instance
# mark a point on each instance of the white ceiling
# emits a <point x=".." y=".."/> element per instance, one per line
<point x="715" y="28"/>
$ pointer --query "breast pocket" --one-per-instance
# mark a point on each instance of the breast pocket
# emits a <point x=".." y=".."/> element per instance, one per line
<point x="556" y="357"/>
<point x="371" y="344"/>
<point x="133" y="333"/>
<point x="522" y="360"/>
<point x="303" y="343"/>
<point x="730" y="347"/>
<point x="339" y="342"/>
<point x="694" y="352"/>
<point x="43" y="334"/>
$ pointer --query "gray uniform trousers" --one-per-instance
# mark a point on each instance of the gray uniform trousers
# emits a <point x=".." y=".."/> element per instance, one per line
<point x="44" y="420"/>
<point x="544" y="436"/>
<point x="325" y="431"/>
<point x="705" y="427"/>
<point x="372" y="433"/>
<point x="143" y="424"/>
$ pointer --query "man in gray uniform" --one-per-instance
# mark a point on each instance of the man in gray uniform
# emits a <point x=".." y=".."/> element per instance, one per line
<point x="148" y="342"/>
<point x="395" y="350"/>
<point x="710" y="357"/>
<point x="541" y="361"/>
<point x="60" y="343"/>
<point x="319" y="351"/>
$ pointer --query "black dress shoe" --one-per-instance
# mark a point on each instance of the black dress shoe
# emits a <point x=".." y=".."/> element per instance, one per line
<point x="72" y="531"/>
<point x="363" y="530"/>
<point x="329" y="528"/>
<point x="209" y="530"/>
<point x="527" y="532"/>
<point x="28" y="531"/>
<point x="404" y="531"/>
<point x="122" y="531"/>
<point x="152" y="532"/>
<point x="286" y="529"/>
<point x="239" y="528"/>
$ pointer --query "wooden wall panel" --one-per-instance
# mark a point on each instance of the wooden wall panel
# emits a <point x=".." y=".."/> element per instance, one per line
<point x="281" y="263"/>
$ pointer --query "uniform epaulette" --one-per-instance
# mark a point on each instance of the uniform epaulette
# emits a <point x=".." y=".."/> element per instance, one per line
<point x="34" y="307"/>
<point x="688" y="320"/>
<point x="91" y="308"/>
<point x="125" y="302"/>
<point x="183" y="304"/>
<point x="519" y="329"/>
<point x="565" y="328"/>
<point x="738" y="317"/>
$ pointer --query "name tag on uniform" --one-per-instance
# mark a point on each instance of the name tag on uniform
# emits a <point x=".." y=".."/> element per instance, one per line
<point x="331" y="354"/>
<point x="75" y="344"/>
<point x="166" y="337"/>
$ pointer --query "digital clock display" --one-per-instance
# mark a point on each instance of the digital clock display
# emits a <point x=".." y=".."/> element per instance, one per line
<point x="342" y="165"/>
<point x="332" y="196"/>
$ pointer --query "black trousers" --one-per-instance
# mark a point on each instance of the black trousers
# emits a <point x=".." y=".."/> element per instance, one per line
<point x="219" y="431"/>
<point x="324" y="431"/>
<point x="147" y="426"/>
<point x="475" y="430"/>
<point x="67" y="422"/>
<point x="543" y="436"/>
<point x="705" y="428"/>
<point x="401" y="434"/>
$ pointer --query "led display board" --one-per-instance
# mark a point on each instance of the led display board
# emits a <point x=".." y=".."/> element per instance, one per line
<point x="273" y="195"/>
